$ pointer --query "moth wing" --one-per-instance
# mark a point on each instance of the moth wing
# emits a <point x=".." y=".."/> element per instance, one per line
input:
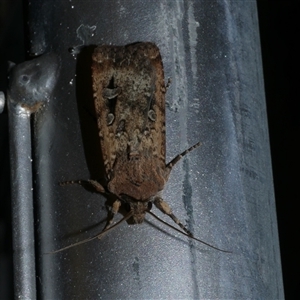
<point x="129" y="95"/>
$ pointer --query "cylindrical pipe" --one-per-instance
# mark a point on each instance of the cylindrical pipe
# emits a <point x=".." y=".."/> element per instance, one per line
<point x="30" y="86"/>
<point x="22" y="203"/>
<point x="223" y="190"/>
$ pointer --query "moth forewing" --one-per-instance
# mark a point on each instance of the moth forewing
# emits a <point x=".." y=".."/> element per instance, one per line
<point x="131" y="121"/>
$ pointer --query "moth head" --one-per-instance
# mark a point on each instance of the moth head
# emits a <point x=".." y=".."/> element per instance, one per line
<point x="139" y="209"/>
<point x="138" y="218"/>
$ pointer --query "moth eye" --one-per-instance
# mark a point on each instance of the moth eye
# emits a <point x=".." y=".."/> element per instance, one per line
<point x="149" y="205"/>
<point x="110" y="118"/>
<point x="152" y="115"/>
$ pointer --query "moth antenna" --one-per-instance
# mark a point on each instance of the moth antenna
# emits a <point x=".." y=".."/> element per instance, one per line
<point x="80" y="182"/>
<point x="99" y="235"/>
<point x="190" y="236"/>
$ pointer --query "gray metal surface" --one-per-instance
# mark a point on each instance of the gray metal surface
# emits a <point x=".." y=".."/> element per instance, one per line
<point x="2" y="101"/>
<point x="30" y="87"/>
<point x="223" y="190"/>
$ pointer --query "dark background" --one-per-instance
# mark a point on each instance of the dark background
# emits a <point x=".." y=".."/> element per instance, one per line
<point x="279" y="35"/>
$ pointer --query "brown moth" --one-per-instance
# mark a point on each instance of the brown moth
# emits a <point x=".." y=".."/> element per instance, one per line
<point x="129" y="96"/>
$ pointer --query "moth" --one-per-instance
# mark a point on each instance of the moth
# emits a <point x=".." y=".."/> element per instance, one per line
<point x="129" y="95"/>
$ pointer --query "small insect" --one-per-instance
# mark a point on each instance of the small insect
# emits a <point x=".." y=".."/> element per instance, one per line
<point x="129" y="95"/>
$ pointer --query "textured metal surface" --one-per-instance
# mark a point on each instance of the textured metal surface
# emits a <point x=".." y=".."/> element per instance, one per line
<point x="223" y="190"/>
<point x="2" y="101"/>
<point x="30" y="87"/>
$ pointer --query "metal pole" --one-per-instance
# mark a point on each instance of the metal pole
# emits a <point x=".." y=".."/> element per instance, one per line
<point x="223" y="190"/>
<point x="30" y="87"/>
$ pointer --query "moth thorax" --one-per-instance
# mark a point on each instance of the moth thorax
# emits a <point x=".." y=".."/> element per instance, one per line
<point x="139" y="210"/>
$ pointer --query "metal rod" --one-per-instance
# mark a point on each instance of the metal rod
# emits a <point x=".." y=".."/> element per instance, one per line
<point x="223" y="190"/>
<point x="31" y="85"/>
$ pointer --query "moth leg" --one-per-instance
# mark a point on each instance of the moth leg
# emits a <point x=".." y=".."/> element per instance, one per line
<point x="98" y="187"/>
<point x="176" y="159"/>
<point x="114" y="210"/>
<point x="166" y="209"/>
